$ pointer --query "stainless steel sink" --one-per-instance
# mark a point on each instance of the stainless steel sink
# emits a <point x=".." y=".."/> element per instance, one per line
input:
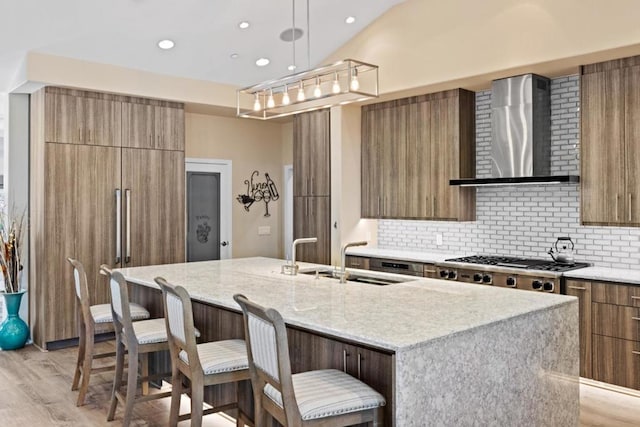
<point x="359" y="278"/>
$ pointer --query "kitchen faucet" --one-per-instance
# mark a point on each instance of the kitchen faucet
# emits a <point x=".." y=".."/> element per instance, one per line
<point x="292" y="268"/>
<point x="343" y="255"/>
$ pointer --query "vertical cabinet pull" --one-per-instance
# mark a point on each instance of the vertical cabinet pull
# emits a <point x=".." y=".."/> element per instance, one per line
<point x="118" y="226"/>
<point x="359" y="365"/>
<point x="88" y="135"/>
<point x="433" y="207"/>
<point x="379" y="212"/>
<point x="630" y="210"/>
<point x="127" y="198"/>
<point x="344" y="360"/>
<point x="617" y="203"/>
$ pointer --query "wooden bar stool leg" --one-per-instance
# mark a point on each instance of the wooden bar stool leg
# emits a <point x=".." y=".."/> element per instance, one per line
<point x="378" y="417"/>
<point x="176" y="394"/>
<point x="117" y="380"/>
<point x="86" y="370"/>
<point x="82" y="342"/>
<point x="144" y="372"/>
<point x="132" y="385"/>
<point x="197" y="400"/>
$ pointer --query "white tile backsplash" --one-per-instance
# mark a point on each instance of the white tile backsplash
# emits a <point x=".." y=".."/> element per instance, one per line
<point x="524" y="220"/>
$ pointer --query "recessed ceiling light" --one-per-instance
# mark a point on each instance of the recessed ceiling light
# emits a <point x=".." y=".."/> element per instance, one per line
<point x="234" y="55"/>
<point x="243" y="25"/>
<point x="262" y="62"/>
<point x="291" y="67"/>
<point x="166" y="44"/>
<point x="350" y="19"/>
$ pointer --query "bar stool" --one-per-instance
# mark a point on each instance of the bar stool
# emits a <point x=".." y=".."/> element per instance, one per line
<point x="88" y="317"/>
<point x="210" y="363"/>
<point x="138" y="339"/>
<point x="326" y="397"/>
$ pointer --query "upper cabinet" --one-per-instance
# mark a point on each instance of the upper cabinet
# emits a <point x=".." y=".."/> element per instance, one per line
<point x="311" y="154"/>
<point x="149" y="126"/>
<point x="610" y="142"/>
<point x="76" y="117"/>
<point x="411" y="148"/>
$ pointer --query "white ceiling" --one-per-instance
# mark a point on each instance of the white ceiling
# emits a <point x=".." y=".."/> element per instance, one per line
<point x="206" y="33"/>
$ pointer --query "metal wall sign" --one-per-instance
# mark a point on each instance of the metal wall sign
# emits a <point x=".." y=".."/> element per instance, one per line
<point x="258" y="191"/>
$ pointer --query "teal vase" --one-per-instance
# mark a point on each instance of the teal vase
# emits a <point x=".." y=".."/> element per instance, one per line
<point x="14" y="332"/>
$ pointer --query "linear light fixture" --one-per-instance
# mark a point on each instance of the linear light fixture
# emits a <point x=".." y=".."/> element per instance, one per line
<point x="340" y="83"/>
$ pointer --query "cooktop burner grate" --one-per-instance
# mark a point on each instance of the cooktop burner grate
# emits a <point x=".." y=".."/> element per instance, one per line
<point x="521" y="263"/>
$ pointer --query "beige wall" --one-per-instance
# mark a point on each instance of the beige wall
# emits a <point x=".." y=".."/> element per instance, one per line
<point x="250" y="145"/>
<point x="422" y="43"/>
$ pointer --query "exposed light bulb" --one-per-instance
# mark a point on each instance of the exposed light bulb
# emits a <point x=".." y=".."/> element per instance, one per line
<point x="270" y="102"/>
<point x="301" y="96"/>
<point x="336" y="85"/>
<point x="256" y="104"/>
<point x="285" y="96"/>
<point x="355" y="84"/>
<point x="317" y="92"/>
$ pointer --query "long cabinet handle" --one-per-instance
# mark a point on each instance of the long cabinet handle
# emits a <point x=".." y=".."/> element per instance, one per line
<point x="635" y="318"/>
<point x="630" y="210"/>
<point x="577" y="288"/>
<point x="359" y="365"/>
<point x="634" y="297"/>
<point x="344" y="360"/>
<point x="118" y="225"/>
<point x="379" y="212"/>
<point x="635" y="352"/>
<point x="127" y="198"/>
<point x="617" y="203"/>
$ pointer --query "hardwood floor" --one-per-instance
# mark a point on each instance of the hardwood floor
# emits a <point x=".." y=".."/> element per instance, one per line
<point x="35" y="390"/>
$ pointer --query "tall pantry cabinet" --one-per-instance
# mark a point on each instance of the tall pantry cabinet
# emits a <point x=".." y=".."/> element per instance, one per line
<point x="106" y="187"/>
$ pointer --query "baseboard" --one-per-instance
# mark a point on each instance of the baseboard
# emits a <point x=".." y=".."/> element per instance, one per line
<point x="610" y="387"/>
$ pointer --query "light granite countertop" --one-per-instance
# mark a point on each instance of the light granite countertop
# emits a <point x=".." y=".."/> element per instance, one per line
<point x="394" y="317"/>
<point x="605" y="274"/>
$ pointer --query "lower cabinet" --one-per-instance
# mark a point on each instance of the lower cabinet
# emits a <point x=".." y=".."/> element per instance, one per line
<point x="582" y="290"/>
<point x="352" y="261"/>
<point x="616" y="361"/>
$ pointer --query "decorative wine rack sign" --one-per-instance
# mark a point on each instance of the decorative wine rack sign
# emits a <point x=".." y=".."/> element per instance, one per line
<point x="258" y="191"/>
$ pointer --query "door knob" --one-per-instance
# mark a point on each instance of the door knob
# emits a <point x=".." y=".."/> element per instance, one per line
<point x="224" y="243"/>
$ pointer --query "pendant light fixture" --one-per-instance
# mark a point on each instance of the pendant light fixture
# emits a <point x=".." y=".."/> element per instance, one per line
<point x="360" y="82"/>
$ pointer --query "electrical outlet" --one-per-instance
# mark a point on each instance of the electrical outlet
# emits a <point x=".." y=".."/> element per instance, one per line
<point x="264" y="231"/>
<point x="438" y="239"/>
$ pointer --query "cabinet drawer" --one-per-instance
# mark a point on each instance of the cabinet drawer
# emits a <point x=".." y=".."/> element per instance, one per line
<point x="617" y="294"/>
<point x="616" y="321"/>
<point x="352" y="261"/>
<point x="616" y="361"/>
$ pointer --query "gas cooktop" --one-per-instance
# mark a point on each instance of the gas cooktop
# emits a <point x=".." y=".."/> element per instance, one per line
<point x="520" y="263"/>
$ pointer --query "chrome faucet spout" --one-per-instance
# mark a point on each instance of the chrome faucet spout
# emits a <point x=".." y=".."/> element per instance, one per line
<point x="343" y="257"/>
<point x="292" y="268"/>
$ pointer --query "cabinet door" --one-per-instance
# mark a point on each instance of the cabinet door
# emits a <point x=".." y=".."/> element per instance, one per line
<point x="58" y="294"/>
<point x="632" y="144"/>
<point x="311" y="218"/>
<point x="419" y="197"/>
<point x="102" y="122"/>
<point x="445" y="155"/>
<point x="371" y="158"/>
<point x="319" y="153"/>
<point x="97" y="178"/>
<point x="155" y="229"/>
<point x="169" y="128"/>
<point x="602" y="148"/>
<point x="582" y="290"/>
<point x="393" y="128"/>
<point x="616" y="361"/>
<point x="63" y="118"/>
<point x="138" y="125"/>
<point x="301" y="153"/>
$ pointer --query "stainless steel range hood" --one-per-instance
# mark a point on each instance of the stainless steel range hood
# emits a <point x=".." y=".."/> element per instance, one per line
<point x="521" y="134"/>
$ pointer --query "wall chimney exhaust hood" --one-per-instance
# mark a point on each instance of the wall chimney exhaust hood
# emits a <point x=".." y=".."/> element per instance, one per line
<point x="521" y="134"/>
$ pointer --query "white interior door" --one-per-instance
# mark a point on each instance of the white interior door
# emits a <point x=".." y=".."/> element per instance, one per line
<point x="203" y="227"/>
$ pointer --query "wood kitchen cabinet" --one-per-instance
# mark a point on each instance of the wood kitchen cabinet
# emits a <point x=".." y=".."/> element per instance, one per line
<point x="75" y="179"/>
<point x="78" y="117"/>
<point x="411" y="148"/>
<point x="353" y="261"/>
<point x="610" y="143"/>
<point x="311" y="218"/>
<point x="312" y="185"/>
<point x="152" y="126"/>
<point x="582" y="290"/>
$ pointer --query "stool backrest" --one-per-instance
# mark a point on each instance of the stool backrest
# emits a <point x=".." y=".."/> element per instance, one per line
<point x="179" y="320"/>
<point x="82" y="291"/>
<point x="268" y="352"/>
<point x="120" y="304"/>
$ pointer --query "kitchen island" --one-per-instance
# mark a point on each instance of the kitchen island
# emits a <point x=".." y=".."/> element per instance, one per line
<point x="442" y="353"/>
